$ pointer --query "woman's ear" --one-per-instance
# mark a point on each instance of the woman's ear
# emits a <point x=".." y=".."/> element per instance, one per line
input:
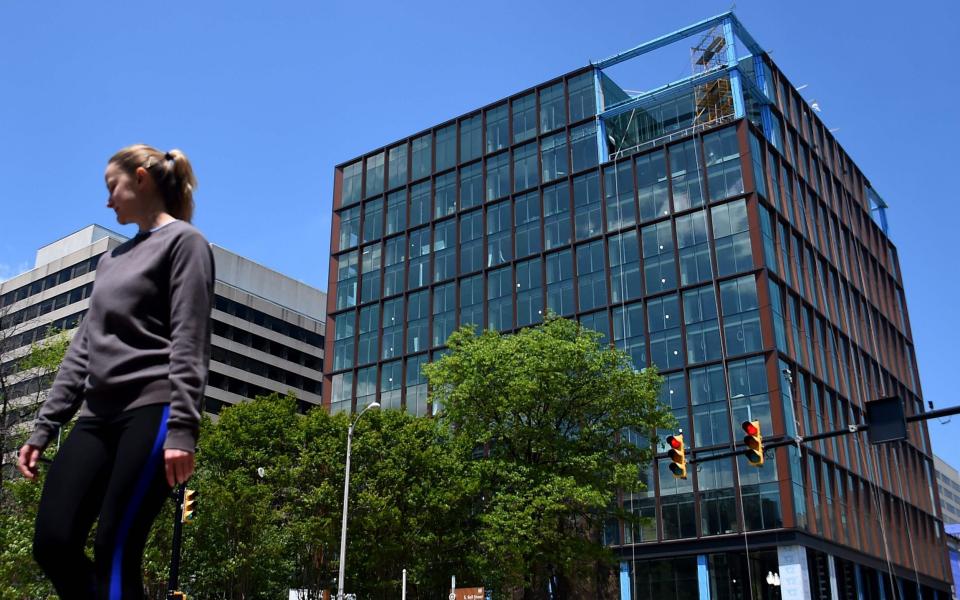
<point x="141" y="175"/>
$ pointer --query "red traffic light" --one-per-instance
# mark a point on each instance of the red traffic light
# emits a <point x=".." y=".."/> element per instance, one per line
<point x="750" y="427"/>
<point x="675" y="443"/>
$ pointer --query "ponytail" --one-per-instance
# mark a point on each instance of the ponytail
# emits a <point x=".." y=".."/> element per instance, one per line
<point x="171" y="171"/>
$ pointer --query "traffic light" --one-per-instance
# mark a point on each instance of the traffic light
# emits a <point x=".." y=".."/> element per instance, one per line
<point x="677" y="454"/>
<point x="754" y="442"/>
<point x="178" y="596"/>
<point x="189" y="506"/>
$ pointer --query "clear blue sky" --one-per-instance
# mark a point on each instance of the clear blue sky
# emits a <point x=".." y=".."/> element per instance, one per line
<point x="267" y="97"/>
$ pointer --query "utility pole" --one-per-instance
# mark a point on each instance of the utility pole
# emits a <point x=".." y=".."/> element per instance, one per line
<point x="174" y="581"/>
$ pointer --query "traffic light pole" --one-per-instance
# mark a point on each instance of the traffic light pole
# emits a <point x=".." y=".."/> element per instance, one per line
<point x="174" y="581"/>
<point x="796" y="441"/>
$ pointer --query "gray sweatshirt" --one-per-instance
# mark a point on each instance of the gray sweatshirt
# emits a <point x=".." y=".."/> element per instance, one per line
<point x="145" y="339"/>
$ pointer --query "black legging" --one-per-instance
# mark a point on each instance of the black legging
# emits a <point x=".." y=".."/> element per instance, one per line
<point x="111" y="468"/>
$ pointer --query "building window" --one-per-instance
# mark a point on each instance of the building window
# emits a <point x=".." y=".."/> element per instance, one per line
<point x="446" y="147"/>
<point x="341" y="392"/>
<point x="390" y="385"/>
<point x="560" y="282"/>
<point x="718" y="509"/>
<point x="418" y="315"/>
<point x="352" y="180"/>
<point x="524" y="118"/>
<point x="756" y="154"/>
<point x="599" y="322"/>
<point x="685" y="176"/>
<point x="419" y="253"/>
<point x="445" y="250"/>
<point x="471" y="186"/>
<point x="529" y="292"/>
<point x="676" y="507"/>
<point x="525" y="171"/>
<point x="586" y="202"/>
<point x="659" y="262"/>
<point x="395" y="256"/>
<point x="420" y="204"/>
<point x="499" y="244"/>
<point x="471" y="138"/>
<point x="498" y="176"/>
<point x="369" y="334"/>
<point x="708" y="395"/>
<point x="694" y="248"/>
<point x="347" y="279"/>
<point x="591" y="276"/>
<point x="553" y="111"/>
<point x="349" y="228"/>
<point x="702" y="325"/>
<point x="663" y="322"/>
<point x="471" y="301"/>
<point x="392" y="328"/>
<point x="366" y="386"/>
<point x="722" y="153"/>
<point x="553" y="156"/>
<point x="396" y="212"/>
<point x="445" y="195"/>
<point x="421" y="157"/>
<point x="748" y="392"/>
<point x="498" y="128"/>
<point x="397" y="174"/>
<point x="343" y="346"/>
<point x="471" y="241"/>
<point x="741" y="317"/>
<point x="556" y="201"/>
<point x="370" y="267"/>
<point x="628" y="333"/>
<point x="618" y="192"/>
<point x="373" y="220"/>
<point x="374" y="175"/>
<point x="769" y="245"/>
<point x="731" y="237"/>
<point x="624" y="251"/>
<point x="652" y="186"/>
<point x="416" y="386"/>
<point x="527" y="219"/>
<point x="500" y="299"/>
<point x="583" y="97"/>
<point x="444" y="313"/>
<point x="583" y="146"/>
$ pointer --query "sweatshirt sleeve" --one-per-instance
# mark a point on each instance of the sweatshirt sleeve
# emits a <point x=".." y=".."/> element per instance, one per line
<point x="191" y="300"/>
<point x="66" y="393"/>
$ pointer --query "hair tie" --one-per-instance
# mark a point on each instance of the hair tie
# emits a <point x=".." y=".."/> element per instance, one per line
<point x="168" y="156"/>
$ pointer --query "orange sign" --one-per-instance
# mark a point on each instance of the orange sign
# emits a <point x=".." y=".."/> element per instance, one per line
<point x="469" y="594"/>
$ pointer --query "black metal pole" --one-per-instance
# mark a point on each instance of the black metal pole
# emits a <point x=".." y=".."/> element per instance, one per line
<point x="934" y="414"/>
<point x="174" y="581"/>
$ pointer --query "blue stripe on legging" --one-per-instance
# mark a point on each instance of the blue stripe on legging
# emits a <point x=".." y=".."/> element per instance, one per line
<point x="135" y="500"/>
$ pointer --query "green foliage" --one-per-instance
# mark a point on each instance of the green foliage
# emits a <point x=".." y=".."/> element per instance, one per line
<point x="548" y="406"/>
<point x="509" y="487"/>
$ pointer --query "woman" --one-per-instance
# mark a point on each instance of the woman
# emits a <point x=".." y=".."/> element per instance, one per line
<point x="136" y="370"/>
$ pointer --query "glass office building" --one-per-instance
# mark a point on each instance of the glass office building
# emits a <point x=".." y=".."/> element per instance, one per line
<point x="711" y="226"/>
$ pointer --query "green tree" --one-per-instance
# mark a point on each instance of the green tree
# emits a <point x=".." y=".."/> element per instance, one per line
<point x="551" y="408"/>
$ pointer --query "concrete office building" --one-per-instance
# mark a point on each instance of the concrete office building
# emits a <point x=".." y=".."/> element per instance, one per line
<point x="267" y="333"/>
<point x="948" y="487"/>
<point x="712" y="226"/>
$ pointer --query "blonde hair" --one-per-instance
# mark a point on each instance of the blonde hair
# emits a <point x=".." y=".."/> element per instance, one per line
<point x="171" y="171"/>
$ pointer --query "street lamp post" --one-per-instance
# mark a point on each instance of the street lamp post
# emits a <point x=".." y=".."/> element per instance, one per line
<point x="346" y="498"/>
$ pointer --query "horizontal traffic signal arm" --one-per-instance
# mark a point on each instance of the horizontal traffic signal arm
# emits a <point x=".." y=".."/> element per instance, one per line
<point x="781" y="440"/>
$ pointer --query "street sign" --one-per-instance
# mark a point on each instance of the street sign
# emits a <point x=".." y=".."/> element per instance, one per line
<point x="886" y="420"/>
<point x="476" y="593"/>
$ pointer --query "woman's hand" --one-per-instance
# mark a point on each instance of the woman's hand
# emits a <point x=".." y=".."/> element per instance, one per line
<point x="179" y="466"/>
<point x="28" y="459"/>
